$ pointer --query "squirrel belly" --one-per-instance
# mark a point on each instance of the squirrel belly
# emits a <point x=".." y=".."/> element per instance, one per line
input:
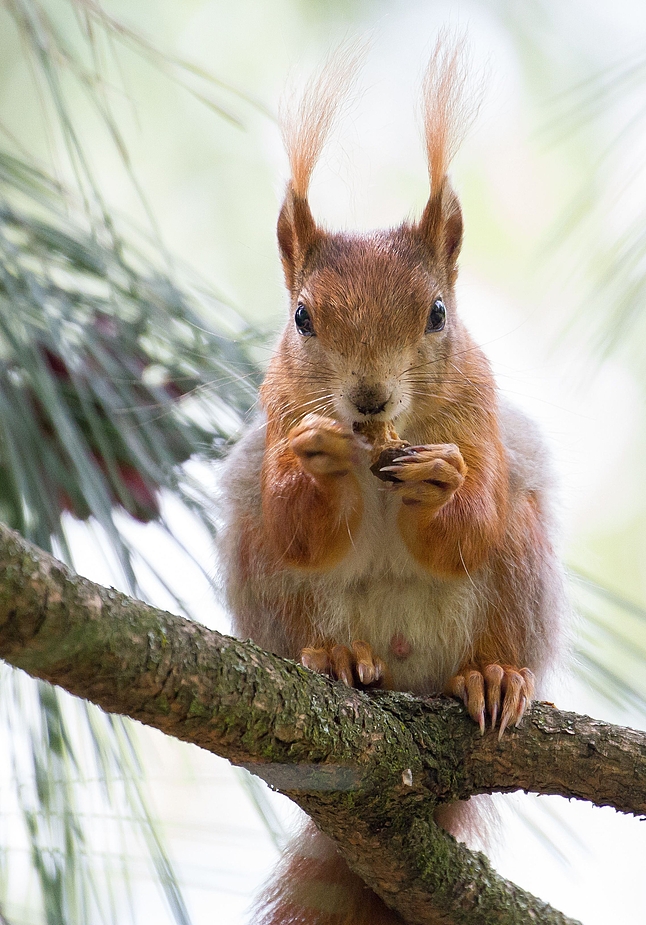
<point x="376" y="592"/>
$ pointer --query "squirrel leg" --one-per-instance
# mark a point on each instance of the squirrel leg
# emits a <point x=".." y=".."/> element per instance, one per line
<point x="310" y="495"/>
<point x="453" y="512"/>
<point x="496" y="681"/>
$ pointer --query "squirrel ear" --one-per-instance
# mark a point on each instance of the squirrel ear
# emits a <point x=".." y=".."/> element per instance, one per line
<point x="297" y="233"/>
<point x="440" y="226"/>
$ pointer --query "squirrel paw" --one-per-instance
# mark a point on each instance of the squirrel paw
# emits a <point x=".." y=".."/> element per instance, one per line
<point x="323" y="446"/>
<point x="427" y="474"/>
<point x="496" y="691"/>
<point x="356" y="666"/>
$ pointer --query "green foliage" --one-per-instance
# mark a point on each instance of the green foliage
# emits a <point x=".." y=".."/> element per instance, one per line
<point x="611" y="645"/>
<point x="110" y="378"/>
<point x="73" y="769"/>
<point x="115" y="369"/>
<point x="109" y="381"/>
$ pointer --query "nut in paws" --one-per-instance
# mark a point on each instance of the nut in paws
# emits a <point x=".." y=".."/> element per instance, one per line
<point x="427" y="474"/>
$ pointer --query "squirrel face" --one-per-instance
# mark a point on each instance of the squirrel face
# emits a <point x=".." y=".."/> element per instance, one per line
<point x="372" y="328"/>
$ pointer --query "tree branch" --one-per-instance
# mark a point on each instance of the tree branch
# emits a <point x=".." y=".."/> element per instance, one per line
<point x="369" y="769"/>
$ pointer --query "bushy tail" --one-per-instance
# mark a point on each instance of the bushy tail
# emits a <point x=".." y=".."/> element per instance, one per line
<point x="313" y="885"/>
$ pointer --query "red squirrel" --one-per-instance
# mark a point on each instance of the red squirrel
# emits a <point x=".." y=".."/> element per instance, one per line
<point x="430" y="569"/>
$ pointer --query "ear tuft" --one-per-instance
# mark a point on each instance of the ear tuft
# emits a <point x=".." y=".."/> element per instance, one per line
<point x="448" y="111"/>
<point x="306" y="126"/>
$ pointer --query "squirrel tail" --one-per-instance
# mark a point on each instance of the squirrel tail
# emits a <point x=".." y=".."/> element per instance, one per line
<point x="313" y="885"/>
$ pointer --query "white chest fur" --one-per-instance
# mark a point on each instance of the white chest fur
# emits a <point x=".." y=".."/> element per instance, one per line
<point x="420" y="625"/>
<point x="377" y="593"/>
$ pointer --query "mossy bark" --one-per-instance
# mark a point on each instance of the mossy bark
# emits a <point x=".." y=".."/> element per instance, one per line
<point x="369" y="769"/>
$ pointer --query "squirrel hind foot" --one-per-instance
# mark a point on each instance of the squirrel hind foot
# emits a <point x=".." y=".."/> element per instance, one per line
<point x="498" y="691"/>
<point x="356" y="665"/>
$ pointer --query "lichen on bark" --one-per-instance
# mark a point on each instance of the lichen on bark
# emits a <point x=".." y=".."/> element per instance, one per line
<point x="369" y="769"/>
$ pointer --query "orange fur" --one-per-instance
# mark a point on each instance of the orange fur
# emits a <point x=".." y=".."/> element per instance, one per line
<point x="444" y="578"/>
<point x="309" y="518"/>
<point x="314" y="886"/>
<point x="465" y="532"/>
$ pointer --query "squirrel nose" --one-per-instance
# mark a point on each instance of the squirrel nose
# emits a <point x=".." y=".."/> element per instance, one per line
<point x="370" y="409"/>
<point x="370" y="400"/>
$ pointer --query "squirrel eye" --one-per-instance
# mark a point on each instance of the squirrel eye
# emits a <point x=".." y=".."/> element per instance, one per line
<point x="436" y="317"/>
<point x="303" y="321"/>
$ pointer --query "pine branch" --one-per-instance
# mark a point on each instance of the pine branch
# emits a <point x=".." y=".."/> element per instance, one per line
<point x="369" y="769"/>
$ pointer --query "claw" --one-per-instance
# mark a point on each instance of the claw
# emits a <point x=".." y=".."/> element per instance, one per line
<point x="476" y="698"/>
<point x="342" y="664"/>
<point x="457" y="688"/>
<point x="364" y="674"/>
<point x="521" y="711"/>
<point x="353" y="666"/>
<point x="316" y="660"/>
<point x="380" y="669"/>
<point x="365" y="664"/>
<point x="493" y="675"/>
<point x="503" y="694"/>
<point x="530" y="682"/>
<point x="511" y="705"/>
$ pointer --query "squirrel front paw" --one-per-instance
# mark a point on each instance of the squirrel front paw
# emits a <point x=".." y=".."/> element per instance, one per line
<point x="496" y="691"/>
<point x="323" y="446"/>
<point x="356" y="666"/>
<point x="429" y="475"/>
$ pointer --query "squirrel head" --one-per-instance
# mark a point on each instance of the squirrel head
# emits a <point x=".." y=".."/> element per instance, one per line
<point x="372" y="325"/>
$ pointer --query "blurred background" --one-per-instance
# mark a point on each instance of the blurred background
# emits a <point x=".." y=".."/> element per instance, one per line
<point x="141" y="171"/>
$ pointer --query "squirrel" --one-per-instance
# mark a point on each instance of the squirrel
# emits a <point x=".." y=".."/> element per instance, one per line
<point x="388" y="516"/>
